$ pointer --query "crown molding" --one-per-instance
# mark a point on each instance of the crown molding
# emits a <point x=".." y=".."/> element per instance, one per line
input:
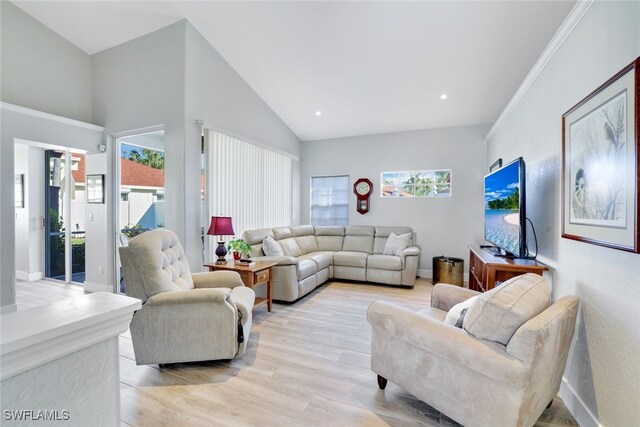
<point x="576" y="14"/>
<point x="49" y="116"/>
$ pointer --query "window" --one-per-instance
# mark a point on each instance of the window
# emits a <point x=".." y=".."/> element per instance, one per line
<point x="249" y="183"/>
<point x="330" y="200"/>
<point x="422" y="183"/>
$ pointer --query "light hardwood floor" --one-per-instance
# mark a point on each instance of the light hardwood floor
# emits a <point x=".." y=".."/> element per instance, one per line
<point x="307" y="364"/>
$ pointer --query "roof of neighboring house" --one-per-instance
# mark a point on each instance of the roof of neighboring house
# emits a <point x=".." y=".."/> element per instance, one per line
<point x="132" y="173"/>
<point x="387" y="190"/>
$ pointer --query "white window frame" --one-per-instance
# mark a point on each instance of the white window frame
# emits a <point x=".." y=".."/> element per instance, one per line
<point x="311" y="205"/>
<point x="399" y="181"/>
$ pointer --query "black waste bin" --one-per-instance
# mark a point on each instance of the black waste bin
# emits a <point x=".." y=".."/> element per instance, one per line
<point x="448" y="270"/>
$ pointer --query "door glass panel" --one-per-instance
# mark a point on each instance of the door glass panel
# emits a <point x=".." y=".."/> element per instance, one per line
<point x="142" y="163"/>
<point x="77" y="218"/>
<point x="54" y="211"/>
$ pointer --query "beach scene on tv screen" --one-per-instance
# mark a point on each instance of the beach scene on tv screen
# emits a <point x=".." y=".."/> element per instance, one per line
<point x="502" y="208"/>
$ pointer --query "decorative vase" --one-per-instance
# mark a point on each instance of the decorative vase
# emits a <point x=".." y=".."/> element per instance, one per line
<point x="236" y="255"/>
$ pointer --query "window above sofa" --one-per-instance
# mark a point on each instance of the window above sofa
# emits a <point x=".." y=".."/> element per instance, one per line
<point x="418" y="183"/>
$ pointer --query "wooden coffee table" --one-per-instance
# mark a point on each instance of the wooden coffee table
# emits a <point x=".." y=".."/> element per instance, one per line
<point x="251" y="276"/>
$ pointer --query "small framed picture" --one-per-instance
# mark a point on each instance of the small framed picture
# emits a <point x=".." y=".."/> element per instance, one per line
<point x="19" y="190"/>
<point x="95" y="188"/>
<point x="600" y="164"/>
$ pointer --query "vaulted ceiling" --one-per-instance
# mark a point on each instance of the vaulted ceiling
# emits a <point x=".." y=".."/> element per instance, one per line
<point x="366" y="67"/>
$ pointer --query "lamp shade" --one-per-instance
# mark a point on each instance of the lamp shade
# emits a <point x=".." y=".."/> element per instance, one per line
<point x="221" y="226"/>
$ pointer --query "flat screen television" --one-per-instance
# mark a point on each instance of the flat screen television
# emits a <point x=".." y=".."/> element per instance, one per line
<point x="505" y="209"/>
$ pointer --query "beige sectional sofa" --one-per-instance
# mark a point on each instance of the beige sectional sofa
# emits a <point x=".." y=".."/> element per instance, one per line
<point x="313" y="255"/>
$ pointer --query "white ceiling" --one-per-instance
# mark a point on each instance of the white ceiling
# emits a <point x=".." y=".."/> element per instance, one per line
<point x="369" y="67"/>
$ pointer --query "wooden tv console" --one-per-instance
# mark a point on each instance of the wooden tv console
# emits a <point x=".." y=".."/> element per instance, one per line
<point x="486" y="270"/>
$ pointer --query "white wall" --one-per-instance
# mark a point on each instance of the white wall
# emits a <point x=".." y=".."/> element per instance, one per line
<point x="40" y="69"/>
<point x="17" y="127"/>
<point x="216" y="94"/>
<point x="140" y="84"/>
<point x="604" y="365"/>
<point x="29" y="243"/>
<point x="444" y="226"/>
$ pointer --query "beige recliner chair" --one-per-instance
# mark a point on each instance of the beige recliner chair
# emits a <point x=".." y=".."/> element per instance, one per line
<point x="474" y="381"/>
<point x="184" y="317"/>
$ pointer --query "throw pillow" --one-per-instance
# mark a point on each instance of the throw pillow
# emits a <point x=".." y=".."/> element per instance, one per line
<point x="271" y="248"/>
<point x="457" y="313"/>
<point x="498" y="313"/>
<point x="396" y="244"/>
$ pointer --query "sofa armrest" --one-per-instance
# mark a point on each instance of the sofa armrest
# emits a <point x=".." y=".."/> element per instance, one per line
<point x="410" y="251"/>
<point x="216" y="279"/>
<point x="244" y="299"/>
<point x="447" y="342"/>
<point x="281" y="260"/>
<point x="445" y="296"/>
<point x="195" y="296"/>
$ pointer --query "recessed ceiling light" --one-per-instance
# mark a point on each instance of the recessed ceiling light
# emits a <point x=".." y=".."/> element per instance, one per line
<point x="443" y="96"/>
<point x="318" y="113"/>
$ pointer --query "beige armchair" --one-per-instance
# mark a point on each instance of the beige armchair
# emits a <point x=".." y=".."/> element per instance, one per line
<point x="184" y="317"/>
<point x="473" y="381"/>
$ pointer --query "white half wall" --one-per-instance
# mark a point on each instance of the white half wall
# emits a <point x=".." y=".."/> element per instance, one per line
<point x="602" y="378"/>
<point x="443" y="225"/>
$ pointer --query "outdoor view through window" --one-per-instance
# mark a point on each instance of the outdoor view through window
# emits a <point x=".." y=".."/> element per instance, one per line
<point x="421" y="183"/>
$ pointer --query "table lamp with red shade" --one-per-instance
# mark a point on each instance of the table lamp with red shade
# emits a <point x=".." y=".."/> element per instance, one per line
<point x="221" y="226"/>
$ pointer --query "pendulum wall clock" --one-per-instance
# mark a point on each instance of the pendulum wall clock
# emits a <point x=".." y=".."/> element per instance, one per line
<point x="362" y="189"/>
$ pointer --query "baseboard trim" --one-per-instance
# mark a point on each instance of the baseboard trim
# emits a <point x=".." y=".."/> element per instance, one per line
<point x="97" y="287"/>
<point x="8" y="308"/>
<point x="425" y="274"/>
<point x="577" y="407"/>
<point x="29" y="277"/>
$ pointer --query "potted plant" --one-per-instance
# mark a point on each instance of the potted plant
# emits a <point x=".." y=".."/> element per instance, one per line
<point x="239" y="247"/>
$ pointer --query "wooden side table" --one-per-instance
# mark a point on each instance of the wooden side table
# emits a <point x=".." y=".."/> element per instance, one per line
<point x="487" y="270"/>
<point x="253" y="276"/>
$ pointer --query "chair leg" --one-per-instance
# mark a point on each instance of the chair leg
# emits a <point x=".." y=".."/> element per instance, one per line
<point x="549" y="405"/>
<point x="382" y="382"/>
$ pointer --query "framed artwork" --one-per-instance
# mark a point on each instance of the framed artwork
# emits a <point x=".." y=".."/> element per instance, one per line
<point x="600" y="159"/>
<point x="95" y="188"/>
<point x="19" y="182"/>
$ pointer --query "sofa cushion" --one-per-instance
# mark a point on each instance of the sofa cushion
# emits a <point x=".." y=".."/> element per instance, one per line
<point x="306" y="268"/>
<point x="457" y="313"/>
<point x="322" y="259"/>
<point x="382" y="234"/>
<point x="271" y="248"/>
<point x="290" y="247"/>
<point x="255" y="237"/>
<point x="384" y="262"/>
<point x="282" y="233"/>
<point x="307" y="244"/>
<point x="396" y="244"/>
<point x="302" y="230"/>
<point x="350" y="259"/>
<point x="358" y="238"/>
<point x="498" y="313"/>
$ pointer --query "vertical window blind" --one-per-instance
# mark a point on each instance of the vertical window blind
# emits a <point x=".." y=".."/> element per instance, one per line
<point x="249" y="183"/>
<point x="330" y="200"/>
